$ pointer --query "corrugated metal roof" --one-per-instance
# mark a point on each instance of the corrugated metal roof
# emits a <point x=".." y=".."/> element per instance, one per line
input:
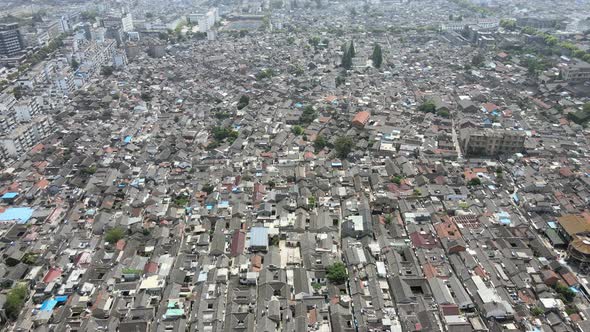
<point x="259" y="237"/>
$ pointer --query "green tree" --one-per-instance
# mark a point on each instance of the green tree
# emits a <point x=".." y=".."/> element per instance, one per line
<point x="508" y="24"/>
<point x="89" y="170"/>
<point x="221" y="133"/>
<point x="265" y="73"/>
<point x="208" y="188"/>
<point x="275" y="240"/>
<point x="319" y="143"/>
<point x="314" y="41"/>
<point x="107" y="71"/>
<point x="243" y="102"/>
<point x="343" y="146"/>
<point x="377" y="56"/>
<point x="351" y="50"/>
<point x="114" y="234"/>
<point x="74" y="64"/>
<point x="474" y="182"/>
<point x="308" y="115"/>
<point x="477" y="60"/>
<point x="565" y="293"/>
<point x="388" y="219"/>
<point x="427" y="107"/>
<point x="346" y="60"/>
<point x="15" y="301"/>
<point x="571" y="309"/>
<point x="311" y="201"/>
<point x="337" y="273"/>
<point x="297" y="130"/>
<point x="537" y="311"/>
<point x="29" y="258"/>
<point x="443" y="113"/>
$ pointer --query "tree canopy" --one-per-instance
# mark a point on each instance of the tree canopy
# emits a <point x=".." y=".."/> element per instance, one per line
<point x="427" y="107"/>
<point x="308" y="115"/>
<point x="243" y="102"/>
<point x="343" y="146"/>
<point x="115" y="234"/>
<point x="319" y="143"/>
<point x="474" y="182"/>
<point x="477" y="60"/>
<point x="337" y="273"/>
<point x="347" y="56"/>
<point x="15" y="301"/>
<point x="377" y="56"/>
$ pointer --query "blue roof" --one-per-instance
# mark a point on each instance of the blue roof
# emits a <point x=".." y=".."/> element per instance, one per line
<point x="9" y="195"/>
<point x="259" y="237"/>
<point x="62" y="298"/>
<point x="48" y="305"/>
<point x="552" y="224"/>
<point x="127" y="139"/>
<point x="21" y="215"/>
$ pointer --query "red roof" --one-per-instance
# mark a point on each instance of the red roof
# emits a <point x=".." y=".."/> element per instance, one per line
<point x="150" y="267"/>
<point x="423" y="240"/>
<point x="361" y="118"/>
<point x="490" y="107"/>
<point x="52" y="274"/>
<point x="238" y="241"/>
<point x="450" y="309"/>
<point x="256" y="262"/>
<point x="120" y="245"/>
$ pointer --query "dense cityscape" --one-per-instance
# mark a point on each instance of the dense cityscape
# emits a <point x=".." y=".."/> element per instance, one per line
<point x="295" y="165"/>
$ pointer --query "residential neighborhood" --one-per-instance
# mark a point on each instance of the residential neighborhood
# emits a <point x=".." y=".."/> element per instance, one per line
<point x="295" y="166"/>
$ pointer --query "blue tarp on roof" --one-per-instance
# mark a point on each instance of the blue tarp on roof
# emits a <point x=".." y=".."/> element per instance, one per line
<point x="49" y="304"/>
<point x="552" y="224"/>
<point x="62" y="298"/>
<point x="9" y="195"/>
<point x="21" y="215"/>
<point x="259" y="237"/>
<point x="298" y="105"/>
<point x="127" y="139"/>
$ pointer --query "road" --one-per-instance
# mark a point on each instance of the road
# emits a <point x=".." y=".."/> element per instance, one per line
<point x="456" y="141"/>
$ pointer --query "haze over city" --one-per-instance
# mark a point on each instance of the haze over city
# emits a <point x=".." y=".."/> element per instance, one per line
<point x="294" y="165"/>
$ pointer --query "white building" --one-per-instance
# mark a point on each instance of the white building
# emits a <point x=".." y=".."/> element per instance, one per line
<point x="25" y="136"/>
<point x="127" y="22"/>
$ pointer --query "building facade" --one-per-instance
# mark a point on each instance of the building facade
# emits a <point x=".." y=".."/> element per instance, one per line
<point x="11" y="41"/>
<point x="491" y="142"/>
